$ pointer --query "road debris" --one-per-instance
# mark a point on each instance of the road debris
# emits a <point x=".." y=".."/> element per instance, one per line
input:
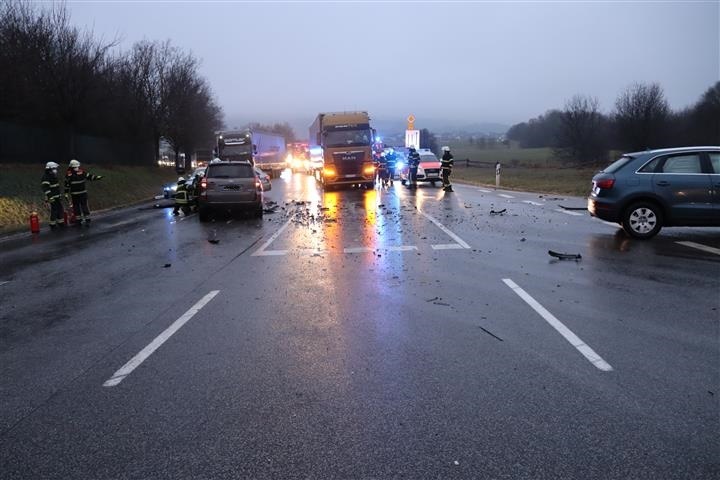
<point x="572" y="208"/>
<point x="432" y="299"/>
<point x="490" y="333"/>
<point x="214" y="241"/>
<point x="499" y="212"/>
<point x="167" y="265"/>
<point x="565" y="256"/>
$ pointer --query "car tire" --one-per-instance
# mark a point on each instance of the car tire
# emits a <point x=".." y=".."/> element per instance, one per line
<point x="402" y="182"/>
<point x="642" y="220"/>
<point x="204" y="214"/>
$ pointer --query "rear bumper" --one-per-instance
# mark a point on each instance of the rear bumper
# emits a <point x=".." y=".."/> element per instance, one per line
<point x="603" y="210"/>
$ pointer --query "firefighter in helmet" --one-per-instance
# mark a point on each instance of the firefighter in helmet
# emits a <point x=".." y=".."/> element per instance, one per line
<point x="182" y="197"/>
<point x="53" y="195"/>
<point x="446" y="166"/>
<point x="413" y="163"/>
<point x="75" y="179"/>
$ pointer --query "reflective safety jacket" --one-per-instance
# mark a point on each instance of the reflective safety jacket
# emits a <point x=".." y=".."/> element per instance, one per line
<point x="50" y="186"/>
<point x="446" y="163"/>
<point x="75" y="181"/>
<point x="181" y="194"/>
<point x="414" y="160"/>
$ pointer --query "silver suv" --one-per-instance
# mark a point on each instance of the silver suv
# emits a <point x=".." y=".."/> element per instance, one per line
<point x="230" y="186"/>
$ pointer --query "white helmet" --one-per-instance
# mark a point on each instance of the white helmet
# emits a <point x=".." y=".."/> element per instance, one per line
<point x="181" y="179"/>
<point x="74" y="163"/>
<point x="446" y="149"/>
<point x="51" y="165"/>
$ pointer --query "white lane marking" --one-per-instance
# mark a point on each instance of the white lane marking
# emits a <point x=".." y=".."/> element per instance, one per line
<point x="402" y="248"/>
<point x="533" y="203"/>
<point x="574" y="340"/>
<point x="568" y="212"/>
<point x="259" y="251"/>
<point x="3" y="283"/>
<point x="444" y="229"/>
<point x="616" y="225"/>
<point x="447" y="246"/>
<point x="138" y="359"/>
<point x="270" y="253"/>
<point x="358" y="249"/>
<point x="698" y="246"/>
<point x="505" y="195"/>
<point x="484" y="191"/>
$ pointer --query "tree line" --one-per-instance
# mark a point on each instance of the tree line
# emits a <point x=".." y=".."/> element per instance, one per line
<point x="580" y="134"/>
<point x="55" y="76"/>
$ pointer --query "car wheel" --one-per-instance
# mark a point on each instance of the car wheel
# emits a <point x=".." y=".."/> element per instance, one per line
<point x="642" y="220"/>
<point x="204" y="214"/>
<point x="402" y="182"/>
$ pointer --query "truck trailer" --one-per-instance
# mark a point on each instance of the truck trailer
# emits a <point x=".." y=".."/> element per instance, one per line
<point x="343" y="140"/>
<point x="265" y="150"/>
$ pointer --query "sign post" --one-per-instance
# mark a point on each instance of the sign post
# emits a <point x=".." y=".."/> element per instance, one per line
<point x="497" y="175"/>
<point x="412" y="136"/>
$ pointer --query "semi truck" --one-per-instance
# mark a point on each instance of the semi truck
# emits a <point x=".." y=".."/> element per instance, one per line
<point x="343" y="143"/>
<point x="265" y="150"/>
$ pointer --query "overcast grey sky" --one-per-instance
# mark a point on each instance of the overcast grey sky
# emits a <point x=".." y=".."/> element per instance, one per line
<point x="460" y="62"/>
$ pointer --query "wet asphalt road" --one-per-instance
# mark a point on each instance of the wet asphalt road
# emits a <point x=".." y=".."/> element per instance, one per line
<point x="361" y="334"/>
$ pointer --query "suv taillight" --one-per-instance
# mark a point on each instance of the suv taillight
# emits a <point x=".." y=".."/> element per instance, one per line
<point x="203" y="187"/>
<point x="258" y="183"/>
<point x="605" y="183"/>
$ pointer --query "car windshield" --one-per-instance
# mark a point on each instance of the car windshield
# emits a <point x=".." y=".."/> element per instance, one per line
<point x="230" y="171"/>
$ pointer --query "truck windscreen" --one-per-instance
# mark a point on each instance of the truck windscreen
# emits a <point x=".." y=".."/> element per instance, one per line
<point x="236" y="150"/>
<point x="347" y="138"/>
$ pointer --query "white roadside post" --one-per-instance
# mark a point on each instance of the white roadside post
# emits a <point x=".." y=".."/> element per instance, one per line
<point x="497" y="175"/>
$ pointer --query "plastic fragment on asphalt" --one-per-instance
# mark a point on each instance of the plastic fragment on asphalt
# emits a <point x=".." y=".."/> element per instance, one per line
<point x="564" y="256"/>
<point x="499" y="212"/>
<point x="167" y="265"/>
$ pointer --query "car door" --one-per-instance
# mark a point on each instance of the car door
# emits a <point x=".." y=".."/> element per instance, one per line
<point x="686" y="188"/>
<point x="714" y="158"/>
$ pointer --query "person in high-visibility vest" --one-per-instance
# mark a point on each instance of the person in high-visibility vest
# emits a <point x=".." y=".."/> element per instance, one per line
<point x="413" y="163"/>
<point x="446" y="166"/>
<point x="182" y="198"/>
<point x="75" y="187"/>
<point x="53" y="196"/>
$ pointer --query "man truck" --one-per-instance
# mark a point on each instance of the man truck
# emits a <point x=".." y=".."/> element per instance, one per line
<point x="343" y="141"/>
<point x="263" y="149"/>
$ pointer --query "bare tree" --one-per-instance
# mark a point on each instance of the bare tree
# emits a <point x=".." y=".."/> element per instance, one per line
<point x="641" y="117"/>
<point x="581" y="136"/>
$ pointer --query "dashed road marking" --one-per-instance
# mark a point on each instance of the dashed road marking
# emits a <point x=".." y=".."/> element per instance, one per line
<point x="442" y="227"/>
<point x="138" y="359"/>
<point x="537" y="204"/>
<point x="358" y="249"/>
<point x="702" y="247"/>
<point x="447" y="246"/>
<point x="574" y="340"/>
<point x="504" y="195"/>
<point x="568" y="212"/>
<point x="484" y="191"/>
<point x="261" y="251"/>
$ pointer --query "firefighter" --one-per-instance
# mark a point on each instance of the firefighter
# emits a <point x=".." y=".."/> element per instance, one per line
<point x="75" y="187"/>
<point x="53" y="195"/>
<point x="391" y="158"/>
<point x="182" y="197"/>
<point x="446" y="166"/>
<point x="413" y="163"/>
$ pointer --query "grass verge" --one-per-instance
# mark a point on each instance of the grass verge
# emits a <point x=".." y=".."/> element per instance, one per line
<point x="21" y="194"/>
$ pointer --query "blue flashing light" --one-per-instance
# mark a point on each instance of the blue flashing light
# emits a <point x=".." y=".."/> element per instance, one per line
<point x="316" y="151"/>
<point x="399" y="165"/>
<point x="378" y="140"/>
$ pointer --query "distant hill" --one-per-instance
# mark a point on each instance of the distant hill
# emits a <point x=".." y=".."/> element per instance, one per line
<point x="386" y="126"/>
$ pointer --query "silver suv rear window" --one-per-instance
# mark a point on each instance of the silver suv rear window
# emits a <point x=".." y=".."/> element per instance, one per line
<point x="230" y="171"/>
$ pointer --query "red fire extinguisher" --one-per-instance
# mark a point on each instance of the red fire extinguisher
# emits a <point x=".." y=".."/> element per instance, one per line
<point x="34" y="223"/>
